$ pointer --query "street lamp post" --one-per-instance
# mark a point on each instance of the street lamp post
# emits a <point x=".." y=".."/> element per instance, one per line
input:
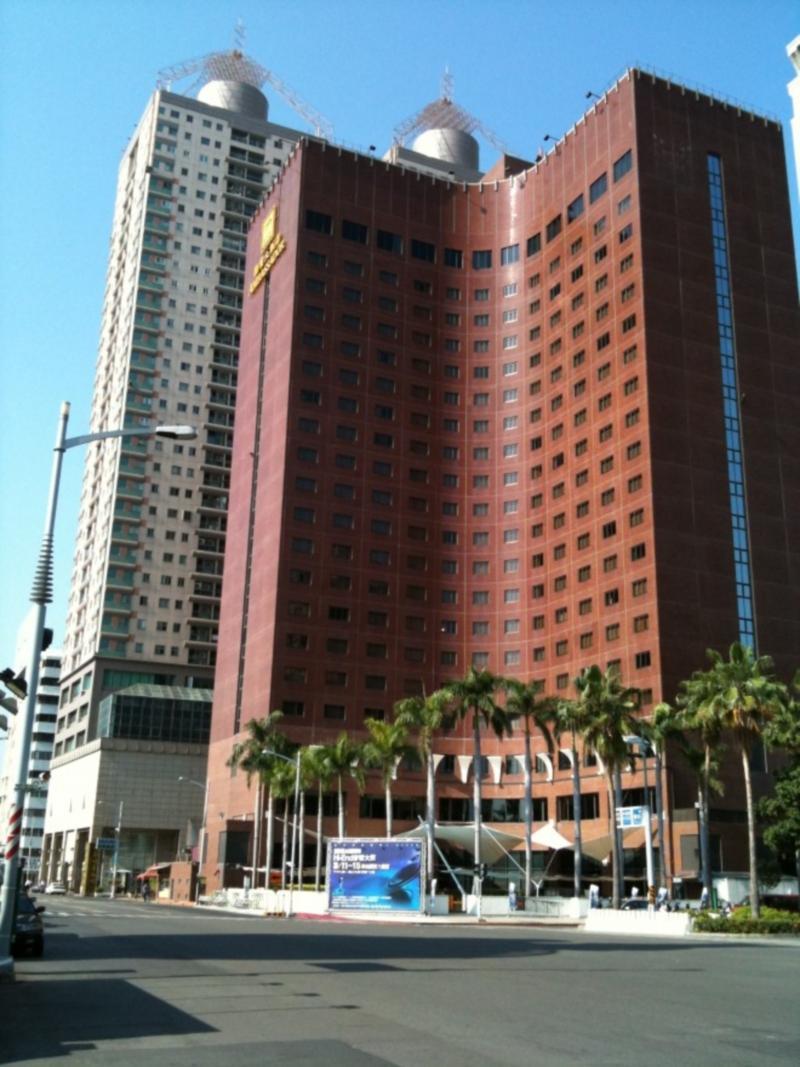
<point x="203" y="835"/>
<point x="117" y="834"/>
<point x="296" y="804"/>
<point x="642" y="745"/>
<point x="41" y="596"/>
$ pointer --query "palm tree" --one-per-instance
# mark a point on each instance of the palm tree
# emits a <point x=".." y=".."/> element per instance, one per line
<point x="306" y="778"/>
<point x="475" y="694"/>
<point x="746" y="697"/>
<point x="320" y="771"/>
<point x="570" y="719"/>
<point x="426" y="715"/>
<point x="698" y="716"/>
<point x="523" y="702"/>
<point x="255" y="756"/>
<point x="609" y="709"/>
<point x="282" y="786"/>
<point x="344" y="759"/>
<point x="664" y="725"/>
<point x="386" y="746"/>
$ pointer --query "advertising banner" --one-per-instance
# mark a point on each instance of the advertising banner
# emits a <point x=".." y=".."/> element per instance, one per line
<point x="375" y="874"/>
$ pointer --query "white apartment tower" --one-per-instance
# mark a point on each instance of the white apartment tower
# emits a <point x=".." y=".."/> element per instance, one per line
<point x="793" y="52"/>
<point x="147" y="571"/>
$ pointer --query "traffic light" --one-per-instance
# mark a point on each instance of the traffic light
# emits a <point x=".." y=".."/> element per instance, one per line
<point x="14" y="683"/>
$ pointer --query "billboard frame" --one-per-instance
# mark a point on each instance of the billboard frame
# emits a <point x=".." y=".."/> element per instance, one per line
<point x="415" y="851"/>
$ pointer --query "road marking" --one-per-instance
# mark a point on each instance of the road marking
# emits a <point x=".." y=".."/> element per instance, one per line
<point x="97" y="914"/>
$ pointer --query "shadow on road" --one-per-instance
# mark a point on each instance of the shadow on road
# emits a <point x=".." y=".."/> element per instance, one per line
<point x="287" y="942"/>
<point x="45" y="1019"/>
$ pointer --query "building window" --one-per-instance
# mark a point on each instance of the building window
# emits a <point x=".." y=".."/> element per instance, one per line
<point x="320" y="223"/>
<point x="623" y="165"/>
<point x="598" y="187"/>
<point x="575" y="209"/>
<point x="423" y="250"/>
<point x="553" y="229"/>
<point x="534" y="244"/>
<point x="354" y="231"/>
<point x="389" y="242"/>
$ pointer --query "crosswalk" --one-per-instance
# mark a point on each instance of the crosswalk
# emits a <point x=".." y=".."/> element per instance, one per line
<point x="94" y="913"/>
<point x="106" y="911"/>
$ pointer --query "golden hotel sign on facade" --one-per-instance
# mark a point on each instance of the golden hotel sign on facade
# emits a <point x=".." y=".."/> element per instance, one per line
<point x="272" y="245"/>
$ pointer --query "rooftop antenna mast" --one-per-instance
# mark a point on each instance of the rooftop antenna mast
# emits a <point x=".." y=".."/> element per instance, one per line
<point x="239" y="34"/>
<point x="235" y="65"/>
<point x="445" y="114"/>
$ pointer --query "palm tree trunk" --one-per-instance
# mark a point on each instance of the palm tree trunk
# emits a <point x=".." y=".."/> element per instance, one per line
<point x="341" y="807"/>
<point x="705" y="842"/>
<point x="318" y="867"/>
<point x="387" y="790"/>
<point x="701" y="837"/>
<point x="285" y="851"/>
<point x="477" y="765"/>
<point x="576" y="812"/>
<point x="755" y="902"/>
<point x="528" y="808"/>
<point x="615" y="857"/>
<point x="663" y="876"/>
<point x="430" y="811"/>
<point x="618" y="834"/>
<point x="270" y="838"/>
<point x="257" y="831"/>
<point x="301" y="836"/>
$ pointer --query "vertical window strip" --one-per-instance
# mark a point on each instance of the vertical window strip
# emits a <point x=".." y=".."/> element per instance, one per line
<point x="730" y="404"/>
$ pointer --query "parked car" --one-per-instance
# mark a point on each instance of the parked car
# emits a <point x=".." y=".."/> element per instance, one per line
<point x="635" y="904"/>
<point x="28" y="932"/>
<point x="56" y="889"/>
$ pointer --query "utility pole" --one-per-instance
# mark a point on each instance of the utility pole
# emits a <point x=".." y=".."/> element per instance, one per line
<point x="117" y="832"/>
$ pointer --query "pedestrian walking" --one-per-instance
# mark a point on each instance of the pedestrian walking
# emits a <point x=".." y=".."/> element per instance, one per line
<point x="145" y="891"/>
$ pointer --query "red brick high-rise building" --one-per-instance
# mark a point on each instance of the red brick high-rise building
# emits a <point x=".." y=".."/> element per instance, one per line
<point x="533" y="422"/>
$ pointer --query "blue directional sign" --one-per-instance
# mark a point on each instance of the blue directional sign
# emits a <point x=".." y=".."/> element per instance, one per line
<point x="106" y="843"/>
<point x="627" y="818"/>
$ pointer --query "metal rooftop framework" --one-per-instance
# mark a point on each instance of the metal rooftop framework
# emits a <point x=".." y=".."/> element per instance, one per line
<point x="236" y="66"/>
<point x="444" y="114"/>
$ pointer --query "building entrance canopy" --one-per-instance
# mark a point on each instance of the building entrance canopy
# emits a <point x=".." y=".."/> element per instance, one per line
<point x="494" y="843"/>
<point x="548" y="837"/>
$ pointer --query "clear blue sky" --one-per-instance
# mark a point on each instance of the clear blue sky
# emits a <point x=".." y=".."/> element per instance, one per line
<point x="75" y="77"/>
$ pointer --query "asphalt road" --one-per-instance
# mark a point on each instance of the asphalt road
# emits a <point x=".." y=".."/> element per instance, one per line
<point x="126" y="983"/>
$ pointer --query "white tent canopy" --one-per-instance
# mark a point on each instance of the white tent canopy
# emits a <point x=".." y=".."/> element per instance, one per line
<point x="494" y="843"/>
<point x="548" y="837"/>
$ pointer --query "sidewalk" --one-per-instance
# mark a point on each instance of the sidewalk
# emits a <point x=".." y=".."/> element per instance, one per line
<point x="404" y="918"/>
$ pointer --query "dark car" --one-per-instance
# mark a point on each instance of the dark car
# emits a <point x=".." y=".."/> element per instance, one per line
<point x="635" y="904"/>
<point x="28" y="928"/>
